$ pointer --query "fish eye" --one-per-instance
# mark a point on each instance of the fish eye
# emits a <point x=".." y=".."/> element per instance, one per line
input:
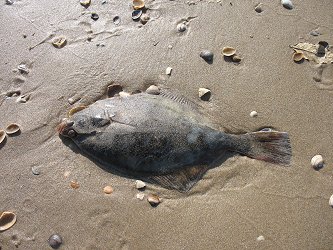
<point x="71" y="133"/>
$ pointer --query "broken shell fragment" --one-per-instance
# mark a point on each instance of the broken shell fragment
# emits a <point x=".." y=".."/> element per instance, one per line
<point x="236" y="58"/>
<point x="124" y="94"/>
<point x="207" y="55"/>
<point x="298" y="56"/>
<point x="12" y="128"/>
<point x="154" y="199"/>
<point x="254" y="114"/>
<point x="138" y="4"/>
<point x="153" y="90"/>
<point x="228" y="51"/>
<point x="140" y="184"/>
<point x="181" y="27"/>
<point x="204" y="94"/>
<point x="7" y="220"/>
<point x="2" y="136"/>
<point x="168" y="70"/>
<point x="59" y="42"/>
<point x="74" y="110"/>
<point x="144" y="18"/>
<point x="140" y="196"/>
<point x="74" y="185"/>
<point x="317" y="162"/>
<point x="108" y="189"/>
<point x="116" y="20"/>
<point x="23" y="69"/>
<point x="85" y="3"/>
<point x="136" y="14"/>
<point x="23" y="98"/>
<point x="114" y="89"/>
<point x="330" y="202"/>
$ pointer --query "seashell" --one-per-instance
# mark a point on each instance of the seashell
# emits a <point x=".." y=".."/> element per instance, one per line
<point x="140" y="184"/>
<point x="35" y="170"/>
<point x="74" y="110"/>
<point x="7" y="220"/>
<point x="55" y="241"/>
<point x="114" y="89"/>
<point x="74" y="185"/>
<point x="181" y="27"/>
<point x="228" y="51"/>
<point x="153" y="90"/>
<point x="12" y="128"/>
<point x="23" y="98"/>
<point x="116" y="20"/>
<point x="254" y="114"/>
<point x="260" y="238"/>
<point x="108" y="189"/>
<point x="154" y="199"/>
<point x="236" y="58"/>
<point x="207" y="55"/>
<point x="14" y="92"/>
<point x="317" y="162"/>
<point x="23" y="69"/>
<point x="298" y="56"/>
<point x="85" y="3"/>
<point x="136" y="14"/>
<point x="140" y="196"/>
<point x="204" y="94"/>
<point x="287" y="4"/>
<point x="330" y="202"/>
<point x="138" y="4"/>
<point x="94" y="16"/>
<point x="2" y="136"/>
<point x="258" y="8"/>
<point x="168" y="70"/>
<point x="144" y="18"/>
<point x="59" y="42"/>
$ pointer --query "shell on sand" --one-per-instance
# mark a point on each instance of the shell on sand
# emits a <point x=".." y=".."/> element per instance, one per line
<point x="108" y="189"/>
<point x="12" y="128"/>
<point x="139" y="184"/>
<point x="298" y="56"/>
<point x="317" y="161"/>
<point x="204" y="92"/>
<point x="2" y="136"/>
<point x="138" y="4"/>
<point x="228" y="51"/>
<point x="59" y="42"/>
<point x="136" y="14"/>
<point x="154" y="199"/>
<point x="153" y="90"/>
<point x="74" y="110"/>
<point x="85" y="3"/>
<point x="7" y="220"/>
<point x="330" y="202"/>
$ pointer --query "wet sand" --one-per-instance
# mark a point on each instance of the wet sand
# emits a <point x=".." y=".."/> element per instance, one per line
<point x="233" y="204"/>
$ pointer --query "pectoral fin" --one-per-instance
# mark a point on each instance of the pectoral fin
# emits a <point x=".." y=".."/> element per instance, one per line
<point x="182" y="180"/>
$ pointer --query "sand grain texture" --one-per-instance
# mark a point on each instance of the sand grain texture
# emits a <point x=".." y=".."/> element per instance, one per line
<point x="234" y="203"/>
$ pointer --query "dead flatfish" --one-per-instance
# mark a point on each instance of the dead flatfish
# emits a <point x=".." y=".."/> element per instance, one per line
<point x="164" y="139"/>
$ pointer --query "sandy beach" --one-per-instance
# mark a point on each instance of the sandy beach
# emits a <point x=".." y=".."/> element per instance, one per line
<point x="242" y="204"/>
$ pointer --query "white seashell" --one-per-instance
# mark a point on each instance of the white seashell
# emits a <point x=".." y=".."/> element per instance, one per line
<point x="12" y="128"/>
<point x="287" y="4"/>
<point x="168" y="70"/>
<point x="7" y="220"/>
<point x="181" y="27"/>
<point x="204" y="93"/>
<point x="254" y="114"/>
<point x="317" y="162"/>
<point x="228" y="51"/>
<point x="139" y="184"/>
<point x="140" y="196"/>
<point x="153" y="90"/>
<point x="260" y="238"/>
<point x="330" y="202"/>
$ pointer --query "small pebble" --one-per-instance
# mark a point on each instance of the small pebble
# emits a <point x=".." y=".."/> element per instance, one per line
<point x="204" y="94"/>
<point x="9" y="2"/>
<point x="74" y="184"/>
<point x="23" y="69"/>
<point x="73" y="100"/>
<point x="321" y="50"/>
<point x="140" y="196"/>
<point x="116" y="20"/>
<point x="287" y="4"/>
<point x="103" y="1"/>
<point x="23" y="98"/>
<point x="140" y="184"/>
<point x="181" y="27"/>
<point x="258" y="8"/>
<point x="55" y="241"/>
<point x="236" y="58"/>
<point x="59" y="42"/>
<point x="254" y="114"/>
<point x="94" y="16"/>
<point x="170" y="46"/>
<point x="108" y="189"/>
<point x="85" y="3"/>
<point x="317" y="162"/>
<point x="153" y="90"/>
<point x="35" y="170"/>
<point x="168" y="71"/>
<point x="153" y="199"/>
<point x="314" y="33"/>
<point x="114" y="89"/>
<point x="207" y="55"/>
<point x="330" y="202"/>
<point x="260" y="238"/>
<point x="144" y="18"/>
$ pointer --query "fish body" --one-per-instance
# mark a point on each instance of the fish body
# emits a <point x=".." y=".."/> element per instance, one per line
<point x="162" y="138"/>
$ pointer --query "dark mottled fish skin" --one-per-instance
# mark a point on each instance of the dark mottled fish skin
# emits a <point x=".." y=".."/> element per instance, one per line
<point x="155" y="135"/>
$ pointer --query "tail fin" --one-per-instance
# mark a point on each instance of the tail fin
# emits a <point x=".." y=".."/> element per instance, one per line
<point x="266" y="146"/>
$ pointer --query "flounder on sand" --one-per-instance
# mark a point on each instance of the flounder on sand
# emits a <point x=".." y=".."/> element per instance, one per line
<point x="164" y="139"/>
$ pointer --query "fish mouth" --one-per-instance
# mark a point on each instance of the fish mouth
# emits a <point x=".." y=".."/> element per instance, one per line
<point x="65" y="128"/>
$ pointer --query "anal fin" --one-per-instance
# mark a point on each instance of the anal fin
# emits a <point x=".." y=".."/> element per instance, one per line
<point x="182" y="180"/>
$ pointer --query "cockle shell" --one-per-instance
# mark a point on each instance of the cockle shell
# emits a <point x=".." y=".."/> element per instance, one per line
<point x="228" y="51"/>
<point x="7" y="220"/>
<point x="12" y="128"/>
<point x="138" y="4"/>
<point x="298" y="56"/>
<point x="317" y="161"/>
